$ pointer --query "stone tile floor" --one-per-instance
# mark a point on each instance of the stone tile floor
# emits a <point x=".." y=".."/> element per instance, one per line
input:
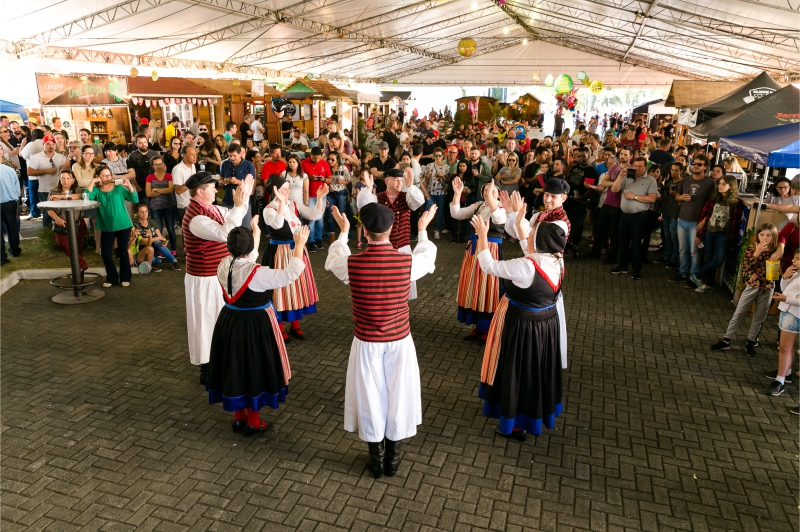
<point x="105" y="427"/>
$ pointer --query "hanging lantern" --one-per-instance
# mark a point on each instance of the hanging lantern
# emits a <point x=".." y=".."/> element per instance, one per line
<point x="563" y="84"/>
<point x="536" y="77"/>
<point x="154" y="75"/>
<point x="548" y="81"/>
<point x="236" y="82"/>
<point x="134" y="72"/>
<point x="597" y="87"/>
<point x="581" y="75"/>
<point x="309" y="76"/>
<point x="587" y="82"/>
<point x="467" y="47"/>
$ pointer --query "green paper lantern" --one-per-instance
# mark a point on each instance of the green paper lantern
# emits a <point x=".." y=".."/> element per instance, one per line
<point x="394" y="82"/>
<point x="548" y="81"/>
<point x="563" y="84"/>
<point x="581" y="75"/>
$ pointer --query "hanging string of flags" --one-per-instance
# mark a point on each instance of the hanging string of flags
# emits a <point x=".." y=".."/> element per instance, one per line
<point x="205" y="102"/>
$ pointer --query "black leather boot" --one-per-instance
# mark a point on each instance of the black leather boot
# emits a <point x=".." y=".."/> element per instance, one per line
<point x="377" y="454"/>
<point x="203" y="373"/>
<point x="392" y="461"/>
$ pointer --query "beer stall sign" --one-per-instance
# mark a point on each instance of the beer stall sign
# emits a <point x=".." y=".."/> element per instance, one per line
<point x="82" y="91"/>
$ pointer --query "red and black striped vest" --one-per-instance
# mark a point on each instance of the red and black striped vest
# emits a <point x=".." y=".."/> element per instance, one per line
<point x="401" y="230"/>
<point x="202" y="256"/>
<point x="380" y="282"/>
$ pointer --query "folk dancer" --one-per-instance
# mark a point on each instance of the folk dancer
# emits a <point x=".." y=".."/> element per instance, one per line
<point x="382" y="393"/>
<point x="282" y="216"/>
<point x="521" y="372"/>
<point x="478" y="294"/>
<point x="401" y="204"/>
<point x="249" y="367"/>
<point x="205" y="236"/>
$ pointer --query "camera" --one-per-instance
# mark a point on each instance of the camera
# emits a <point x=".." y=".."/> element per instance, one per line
<point x="118" y="181"/>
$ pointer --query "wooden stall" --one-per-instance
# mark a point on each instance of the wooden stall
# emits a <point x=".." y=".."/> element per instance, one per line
<point x="239" y="100"/>
<point x="485" y="112"/>
<point x="316" y="101"/>
<point x="164" y="98"/>
<point x="526" y="107"/>
<point x="96" y="103"/>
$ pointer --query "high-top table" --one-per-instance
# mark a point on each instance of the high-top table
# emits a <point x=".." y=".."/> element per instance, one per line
<point x="76" y="280"/>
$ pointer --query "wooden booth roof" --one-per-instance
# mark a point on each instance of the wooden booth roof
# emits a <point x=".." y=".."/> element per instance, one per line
<point x="226" y="86"/>
<point x="144" y="86"/>
<point x="321" y="89"/>
<point x="685" y="93"/>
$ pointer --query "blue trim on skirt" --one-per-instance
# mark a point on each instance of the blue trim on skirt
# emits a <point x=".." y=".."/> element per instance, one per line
<point x="474" y="242"/>
<point x="520" y="421"/>
<point x="291" y="315"/>
<point x="532" y="309"/>
<point x="469" y="317"/>
<point x="232" y="404"/>
<point x="263" y="307"/>
<point x="276" y="242"/>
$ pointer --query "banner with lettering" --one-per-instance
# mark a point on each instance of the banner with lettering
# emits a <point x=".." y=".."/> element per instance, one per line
<point x="92" y="90"/>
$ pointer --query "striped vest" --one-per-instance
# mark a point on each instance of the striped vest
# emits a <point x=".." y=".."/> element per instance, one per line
<point x="401" y="230"/>
<point x="380" y="282"/>
<point x="202" y="256"/>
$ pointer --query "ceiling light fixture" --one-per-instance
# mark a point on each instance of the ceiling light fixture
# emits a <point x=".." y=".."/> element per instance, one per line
<point x="524" y="41"/>
<point x="505" y="30"/>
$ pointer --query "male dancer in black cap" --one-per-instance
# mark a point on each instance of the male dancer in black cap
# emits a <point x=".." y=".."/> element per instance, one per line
<point x="205" y="236"/>
<point x="383" y="400"/>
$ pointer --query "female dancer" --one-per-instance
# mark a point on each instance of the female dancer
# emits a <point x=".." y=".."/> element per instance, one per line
<point x="479" y="293"/>
<point x="248" y="367"/>
<point x="282" y="215"/>
<point x="521" y="371"/>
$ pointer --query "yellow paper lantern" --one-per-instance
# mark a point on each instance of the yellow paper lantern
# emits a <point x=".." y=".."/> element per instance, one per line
<point x="467" y="47"/>
<point x="134" y="72"/>
<point x="236" y="82"/>
<point x="536" y="77"/>
<point x="597" y="87"/>
<point x="154" y="75"/>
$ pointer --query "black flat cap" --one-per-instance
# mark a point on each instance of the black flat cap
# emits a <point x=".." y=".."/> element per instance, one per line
<point x="376" y="218"/>
<point x="555" y="185"/>
<point x="199" y="179"/>
<point x="394" y="172"/>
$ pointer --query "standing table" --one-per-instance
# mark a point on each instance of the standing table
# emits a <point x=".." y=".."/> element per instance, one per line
<point x="74" y="282"/>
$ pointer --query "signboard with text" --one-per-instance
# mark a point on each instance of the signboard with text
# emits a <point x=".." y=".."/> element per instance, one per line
<point x="89" y="91"/>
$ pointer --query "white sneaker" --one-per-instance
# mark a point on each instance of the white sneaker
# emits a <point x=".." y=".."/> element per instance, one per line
<point x="436" y="235"/>
<point x="445" y="231"/>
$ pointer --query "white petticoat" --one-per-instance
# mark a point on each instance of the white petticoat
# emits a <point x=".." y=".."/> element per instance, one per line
<point x="203" y="303"/>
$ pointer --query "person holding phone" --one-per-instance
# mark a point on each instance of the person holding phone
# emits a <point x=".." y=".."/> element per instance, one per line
<point x="582" y="178"/>
<point x="113" y="222"/>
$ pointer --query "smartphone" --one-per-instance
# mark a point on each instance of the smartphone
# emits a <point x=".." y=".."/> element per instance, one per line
<point x="404" y="165"/>
<point x="631" y="173"/>
<point x="118" y="181"/>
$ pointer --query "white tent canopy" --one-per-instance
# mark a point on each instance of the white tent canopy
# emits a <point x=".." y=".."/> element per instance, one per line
<point x="624" y="41"/>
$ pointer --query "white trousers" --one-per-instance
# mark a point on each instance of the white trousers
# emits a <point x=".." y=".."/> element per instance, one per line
<point x="562" y="326"/>
<point x="383" y="397"/>
<point x="203" y="303"/>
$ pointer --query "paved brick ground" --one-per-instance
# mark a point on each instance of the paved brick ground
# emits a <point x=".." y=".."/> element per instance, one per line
<point x="105" y="427"/>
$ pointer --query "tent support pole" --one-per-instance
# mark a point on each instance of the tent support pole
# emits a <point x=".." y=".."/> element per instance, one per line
<point x="761" y="198"/>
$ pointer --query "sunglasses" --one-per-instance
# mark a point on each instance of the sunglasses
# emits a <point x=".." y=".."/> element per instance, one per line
<point x="52" y="163"/>
<point x="698" y="164"/>
<point x="203" y="131"/>
<point x="438" y="155"/>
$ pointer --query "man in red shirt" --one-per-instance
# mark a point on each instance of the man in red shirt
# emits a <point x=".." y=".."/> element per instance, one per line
<point x="275" y="164"/>
<point x="317" y="170"/>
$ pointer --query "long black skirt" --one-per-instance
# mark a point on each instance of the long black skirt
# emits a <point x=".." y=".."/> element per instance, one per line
<point x="526" y="391"/>
<point x="245" y="369"/>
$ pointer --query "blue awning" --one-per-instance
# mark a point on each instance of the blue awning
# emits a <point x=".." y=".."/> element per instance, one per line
<point x="777" y="147"/>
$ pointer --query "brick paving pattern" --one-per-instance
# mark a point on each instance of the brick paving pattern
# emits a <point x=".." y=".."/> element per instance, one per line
<point x="105" y="426"/>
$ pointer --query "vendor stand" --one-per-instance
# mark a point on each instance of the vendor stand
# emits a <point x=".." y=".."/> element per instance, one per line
<point x="775" y="147"/>
<point x="687" y="96"/>
<point x="167" y="97"/>
<point x="315" y="102"/>
<point x="238" y="98"/>
<point x="96" y="103"/>
<point x="526" y="107"/>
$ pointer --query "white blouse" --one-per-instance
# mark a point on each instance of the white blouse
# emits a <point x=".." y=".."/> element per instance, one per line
<point x="463" y="213"/>
<point x="264" y="279"/>
<point x="275" y="219"/>
<point x="521" y="271"/>
<point x="295" y="186"/>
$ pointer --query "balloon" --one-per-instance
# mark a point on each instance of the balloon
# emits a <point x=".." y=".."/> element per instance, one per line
<point x="134" y="72"/>
<point x="520" y="131"/>
<point x="471" y="107"/>
<point x="154" y="75"/>
<point x="281" y="108"/>
<point x="467" y="47"/>
<point x="597" y="87"/>
<point x="581" y="75"/>
<point x="548" y="81"/>
<point x="563" y="84"/>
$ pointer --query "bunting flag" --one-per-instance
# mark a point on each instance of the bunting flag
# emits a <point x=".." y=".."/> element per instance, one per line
<point x="205" y="103"/>
<point x="194" y="101"/>
<point x="147" y="103"/>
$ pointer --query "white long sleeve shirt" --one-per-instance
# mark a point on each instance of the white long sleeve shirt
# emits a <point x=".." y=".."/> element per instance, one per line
<point x="521" y="271"/>
<point x="208" y="229"/>
<point x="275" y="219"/>
<point x="423" y="258"/>
<point x="464" y="213"/>
<point x="414" y="198"/>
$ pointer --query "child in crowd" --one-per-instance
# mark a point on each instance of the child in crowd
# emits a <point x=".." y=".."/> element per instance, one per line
<point x="789" y="324"/>
<point x="757" y="288"/>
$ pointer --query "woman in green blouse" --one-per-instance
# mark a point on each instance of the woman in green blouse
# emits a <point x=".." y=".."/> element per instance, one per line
<point x="113" y="222"/>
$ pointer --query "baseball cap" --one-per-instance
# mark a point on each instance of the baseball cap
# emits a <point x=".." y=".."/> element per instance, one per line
<point x="48" y="139"/>
<point x="383" y="145"/>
